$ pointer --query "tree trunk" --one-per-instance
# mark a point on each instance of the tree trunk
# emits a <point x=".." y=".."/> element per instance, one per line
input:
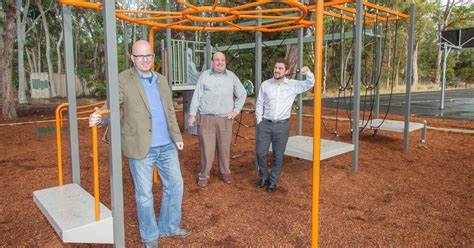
<point x="290" y="56"/>
<point x="39" y="67"/>
<point x="389" y="60"/>
<point x="397" y="72"/>
<point x="20" y="28"/>
<point x="415" y="65"/>
<point x="125" y="44"/>
<point x="2" y="18"/>
<point x="444" y="23"/>
<point x="47" y="37"/>
<point x="28" y="58"/>
<point x="8" y="109"/>
<point x="96" y="71"/>
<point x="77" y="44"/>
<point x="325" y="74"/>
<point x="58" y="50"/>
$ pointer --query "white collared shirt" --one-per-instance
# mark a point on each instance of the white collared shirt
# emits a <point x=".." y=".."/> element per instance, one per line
<point x="275" y="100"/>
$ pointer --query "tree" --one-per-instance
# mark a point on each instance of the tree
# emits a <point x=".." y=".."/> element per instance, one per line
<point x="20" y="27"/>
<point x="444" y="22"/>
<point x="47" y="37"/>
<point x="8" y="110"/>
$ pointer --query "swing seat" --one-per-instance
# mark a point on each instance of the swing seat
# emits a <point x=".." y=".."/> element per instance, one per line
<point x="302" y="147"/>
<point x="398" y="126"/>
<point x="70" y="210"/>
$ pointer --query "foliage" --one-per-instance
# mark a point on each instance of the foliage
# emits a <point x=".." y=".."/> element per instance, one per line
<point x="100" y="90"/>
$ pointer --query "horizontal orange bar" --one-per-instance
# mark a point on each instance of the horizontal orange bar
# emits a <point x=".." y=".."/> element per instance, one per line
<point x="151" y="12"/>
<point x="97" y="6"/>
<point x="339" y="2"/>
<point x="350" y="10"/>
<point x="250" y="5"/>
<point x="345" y="17"/>
<point x="387" y="10"/>
<point x="269" y="17"/>
<point x="261" y="11"/>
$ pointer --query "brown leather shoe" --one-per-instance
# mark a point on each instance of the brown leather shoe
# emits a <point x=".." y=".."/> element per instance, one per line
<point x="203" y="182"/>
<point x="227" y="179"/>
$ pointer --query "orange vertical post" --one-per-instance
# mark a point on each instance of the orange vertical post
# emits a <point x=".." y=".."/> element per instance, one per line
<point x="95" y="152"/>
<point x="151" y="37"/>
<point x="155" y="175"/>
<point x="58" y="142"/>
<point x="318" y="74"/>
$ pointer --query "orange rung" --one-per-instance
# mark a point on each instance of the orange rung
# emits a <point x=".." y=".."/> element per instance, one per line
<point x="95" y="152"/>
<point x="155" y="175"/>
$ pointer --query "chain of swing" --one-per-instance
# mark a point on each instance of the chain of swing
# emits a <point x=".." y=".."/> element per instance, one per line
<point x="370" y="80"/>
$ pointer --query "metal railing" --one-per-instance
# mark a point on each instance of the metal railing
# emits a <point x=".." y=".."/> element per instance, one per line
<point x="59" y="123"/>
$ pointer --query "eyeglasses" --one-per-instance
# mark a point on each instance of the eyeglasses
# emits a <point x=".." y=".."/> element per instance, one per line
<point x="143" y="57"/>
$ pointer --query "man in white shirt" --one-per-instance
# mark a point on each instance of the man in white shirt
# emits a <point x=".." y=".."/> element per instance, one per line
<point x="273" y="111"/>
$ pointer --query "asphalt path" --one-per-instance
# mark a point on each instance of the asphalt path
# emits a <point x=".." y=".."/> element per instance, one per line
<point x="458" y="104"/>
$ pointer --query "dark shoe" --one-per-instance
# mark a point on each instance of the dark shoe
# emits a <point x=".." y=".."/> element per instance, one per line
<point x="183" y="233"/>
<point x="203" y="182"/>
<point x="272" y="187"/>
<point x="227" y="179"/>
<point x="152" y="244"/>
<point x="262" y="183"/>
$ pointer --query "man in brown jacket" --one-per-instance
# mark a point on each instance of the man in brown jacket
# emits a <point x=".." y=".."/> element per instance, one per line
<point x="150" y="137"/>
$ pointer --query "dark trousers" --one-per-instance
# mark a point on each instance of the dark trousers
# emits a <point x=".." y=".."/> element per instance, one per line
<point x="275" y="133"/>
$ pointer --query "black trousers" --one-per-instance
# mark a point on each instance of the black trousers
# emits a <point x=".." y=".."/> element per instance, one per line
<point x="275" y="133"/>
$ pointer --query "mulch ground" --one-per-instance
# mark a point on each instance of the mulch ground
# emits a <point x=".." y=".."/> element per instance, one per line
<point x="420" y="198"/>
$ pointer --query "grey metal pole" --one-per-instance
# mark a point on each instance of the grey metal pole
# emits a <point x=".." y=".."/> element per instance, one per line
<point x="378" y="67"/>
<point x="71" y="94"/>
<point x="258" y="58"/>
<point x="258" y="68"/>
<point x="299" y="121"/>
<point x="169" y="48"/>
<point x="125" y="44"/>
<point x="443" y="84"/>
<point x="208" y="50"/>
<point x="409" y="76"/>
<point x="184" y="60"/>
<point x="115" y="152"/>
<point x="356" y="83"/>
<point x="163" y="59"/>
<point x="21" y="50"/>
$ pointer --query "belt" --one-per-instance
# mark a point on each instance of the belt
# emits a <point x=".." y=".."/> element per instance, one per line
<point x="276" y="121"/>
<point x="213" y="115"/>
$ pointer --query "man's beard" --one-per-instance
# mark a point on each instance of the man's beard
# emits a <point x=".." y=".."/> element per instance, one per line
<point x="278" y="78"/>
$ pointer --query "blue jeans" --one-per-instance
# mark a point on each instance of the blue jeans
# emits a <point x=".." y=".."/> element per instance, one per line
<point x="166" y="160"/>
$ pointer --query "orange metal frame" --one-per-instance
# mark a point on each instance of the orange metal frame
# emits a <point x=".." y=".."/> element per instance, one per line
<point x="95" y="152"/>
<point x="190" y="20"/>
<point x="59" y="123"/>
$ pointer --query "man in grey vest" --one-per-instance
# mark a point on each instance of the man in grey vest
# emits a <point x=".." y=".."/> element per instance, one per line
<point x="219" y="96"/>
<point x="273" y="112"/>
<point x="150" y="137"/>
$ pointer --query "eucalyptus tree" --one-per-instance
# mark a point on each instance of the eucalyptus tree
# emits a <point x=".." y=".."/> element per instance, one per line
<point x="8" y="109"/>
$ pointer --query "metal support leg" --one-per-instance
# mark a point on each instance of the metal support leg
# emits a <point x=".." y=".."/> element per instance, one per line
<point x="423" y="132"/>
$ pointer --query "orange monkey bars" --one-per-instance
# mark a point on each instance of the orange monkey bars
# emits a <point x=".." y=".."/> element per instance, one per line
<point x="286" y="15"/>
